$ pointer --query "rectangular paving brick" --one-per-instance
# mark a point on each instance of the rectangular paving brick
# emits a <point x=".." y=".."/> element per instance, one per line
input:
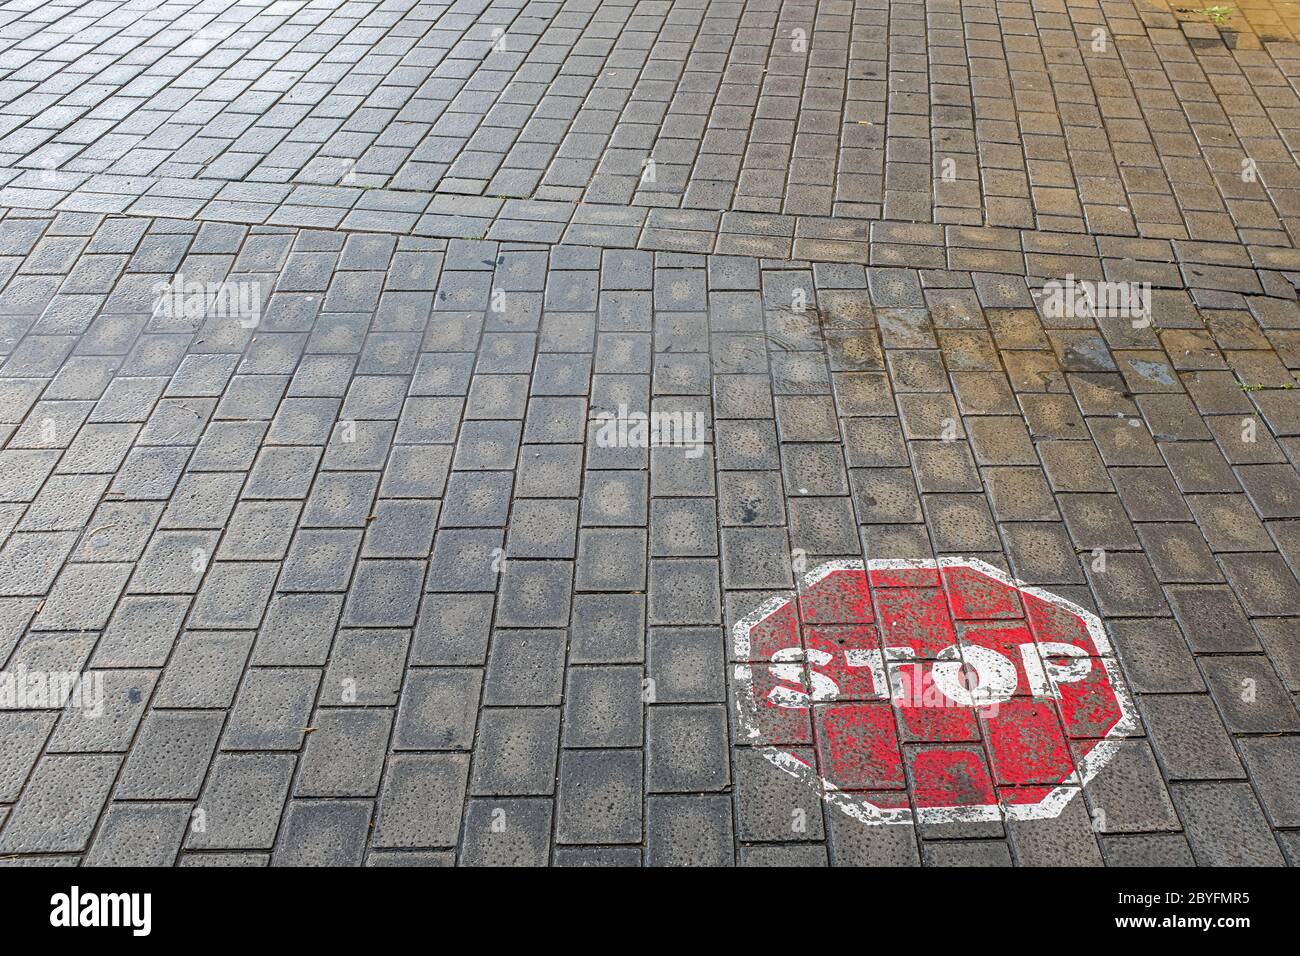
<point x="420" y="801"/>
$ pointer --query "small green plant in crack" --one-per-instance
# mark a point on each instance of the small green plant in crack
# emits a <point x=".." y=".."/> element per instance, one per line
<point x="1217" y="14"/>
<point x="1284" y="387"/>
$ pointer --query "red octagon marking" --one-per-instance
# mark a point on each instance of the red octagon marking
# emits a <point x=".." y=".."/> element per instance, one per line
<point x="943" y="691"/>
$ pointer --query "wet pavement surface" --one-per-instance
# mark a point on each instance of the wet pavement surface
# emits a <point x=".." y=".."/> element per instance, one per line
<point x="584" y="433"/>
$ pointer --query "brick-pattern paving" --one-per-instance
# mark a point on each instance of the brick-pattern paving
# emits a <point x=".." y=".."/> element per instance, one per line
<point x="278" y="547"/>
<point x="360" y="583"/>
<point x="1120" y="120"/>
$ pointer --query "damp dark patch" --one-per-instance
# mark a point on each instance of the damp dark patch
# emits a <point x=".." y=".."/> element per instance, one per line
<point x="1089" y="355"/>
<point x="1157" y="372"/>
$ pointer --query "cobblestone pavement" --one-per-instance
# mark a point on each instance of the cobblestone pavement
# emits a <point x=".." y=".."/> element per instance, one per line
<point x="313" y="317"/>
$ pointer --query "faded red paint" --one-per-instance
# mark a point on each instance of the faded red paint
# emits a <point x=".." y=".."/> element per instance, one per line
<point x="915" y="617"/>
<point x="857" y="680"/>
<point x="857" y="747"/>
<point x="918" y="722"/>
<point x="976" y="597"/>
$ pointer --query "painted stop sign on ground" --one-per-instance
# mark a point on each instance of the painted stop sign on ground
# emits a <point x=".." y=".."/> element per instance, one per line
<point x="943" y="691"/>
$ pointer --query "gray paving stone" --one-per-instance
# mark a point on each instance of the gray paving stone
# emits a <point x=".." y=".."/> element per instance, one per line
<point x="478" y="500"/>
<point x="21" y="740"/>
<point x="1225" y="825"/>
<point x="420" y="801"/>
<point x="487" y="446"/>
<point x="65" y="503"/>
<point x="24" y="472"/>
<point x="60" y="804"/>
<point x="756" y="558"/>
<point x="29" y="563"/>
<point x="1189" y="738"/>
<point x="549" y="471"/>
<point x="603" y="707"/>
<point x="384" y="594"/>
<point x="171" y="755"/>
<point x="173" y="563"/>
<point x="535" y="594"/>
<point x="525" y="668"/>
<point x="770" y="804"/>
<point x="607" y="629"/>
<point x="515" y="752"/>
<point x="850" y="842"/>
<point x="234" y="595"/>
<point x="599" y="797"/>
<point x="259" y="531"/>
<point x="139" y="834"/>
<point x="1271" y="765"/>
<point x="152" y="473"/>
<point x="611" y="559"/>
<point x="320" y="561"/>
<point x="614" y="499"/>
<point x="439" y="709"/>
<point x="1290" y="846"/>
<point x="282" y="472"/>
<point x="141" y="632"/>
<point x="271" y="709"/>
<point x="202" y="501"/>
<point x="241" y="802"/>
<point x="684" y="591"/>
<point x="344" y="753"/>
<point x="103" y="712"/>
<point x="1069" y="839"/>
<point x="411" y="858"/>
<point x="340" y="500"/>
<point x="686" y="665"/>
<point x="59" y="654"/>
<point x="543" y="529"/>
<point x="1143" y="849"/>
<point x="297" y="629"/>
<point x="686" y="748"/>
<point x="1130" y="796"/>
<point x="233" y="446"/>
<point x="597" y="856"/>
<point x="82" y="597"/>
<point x="966" y="853"/>
<point x="452" y="629"/>
<point x="784" y="856"/>
<point x="1155" y="656"/>
<point x="510" y="832"/>
<point x="689" y="830"/>
<point x="204" y="670"/>
<point x="683" y="528"/>
<point x="465" y="560"/>
<point x="1283" y="654"/>
<point x="365" y="668"/>
<point x="416" y="471"/>
<point x="401" y="529"/>
<point x="323" y="833"/>
<point x="1249" y="695"/>
<point x="1211" y="619"/>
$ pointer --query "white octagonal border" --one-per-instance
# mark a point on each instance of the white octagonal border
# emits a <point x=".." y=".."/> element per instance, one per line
<point x="861" y="809"/>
